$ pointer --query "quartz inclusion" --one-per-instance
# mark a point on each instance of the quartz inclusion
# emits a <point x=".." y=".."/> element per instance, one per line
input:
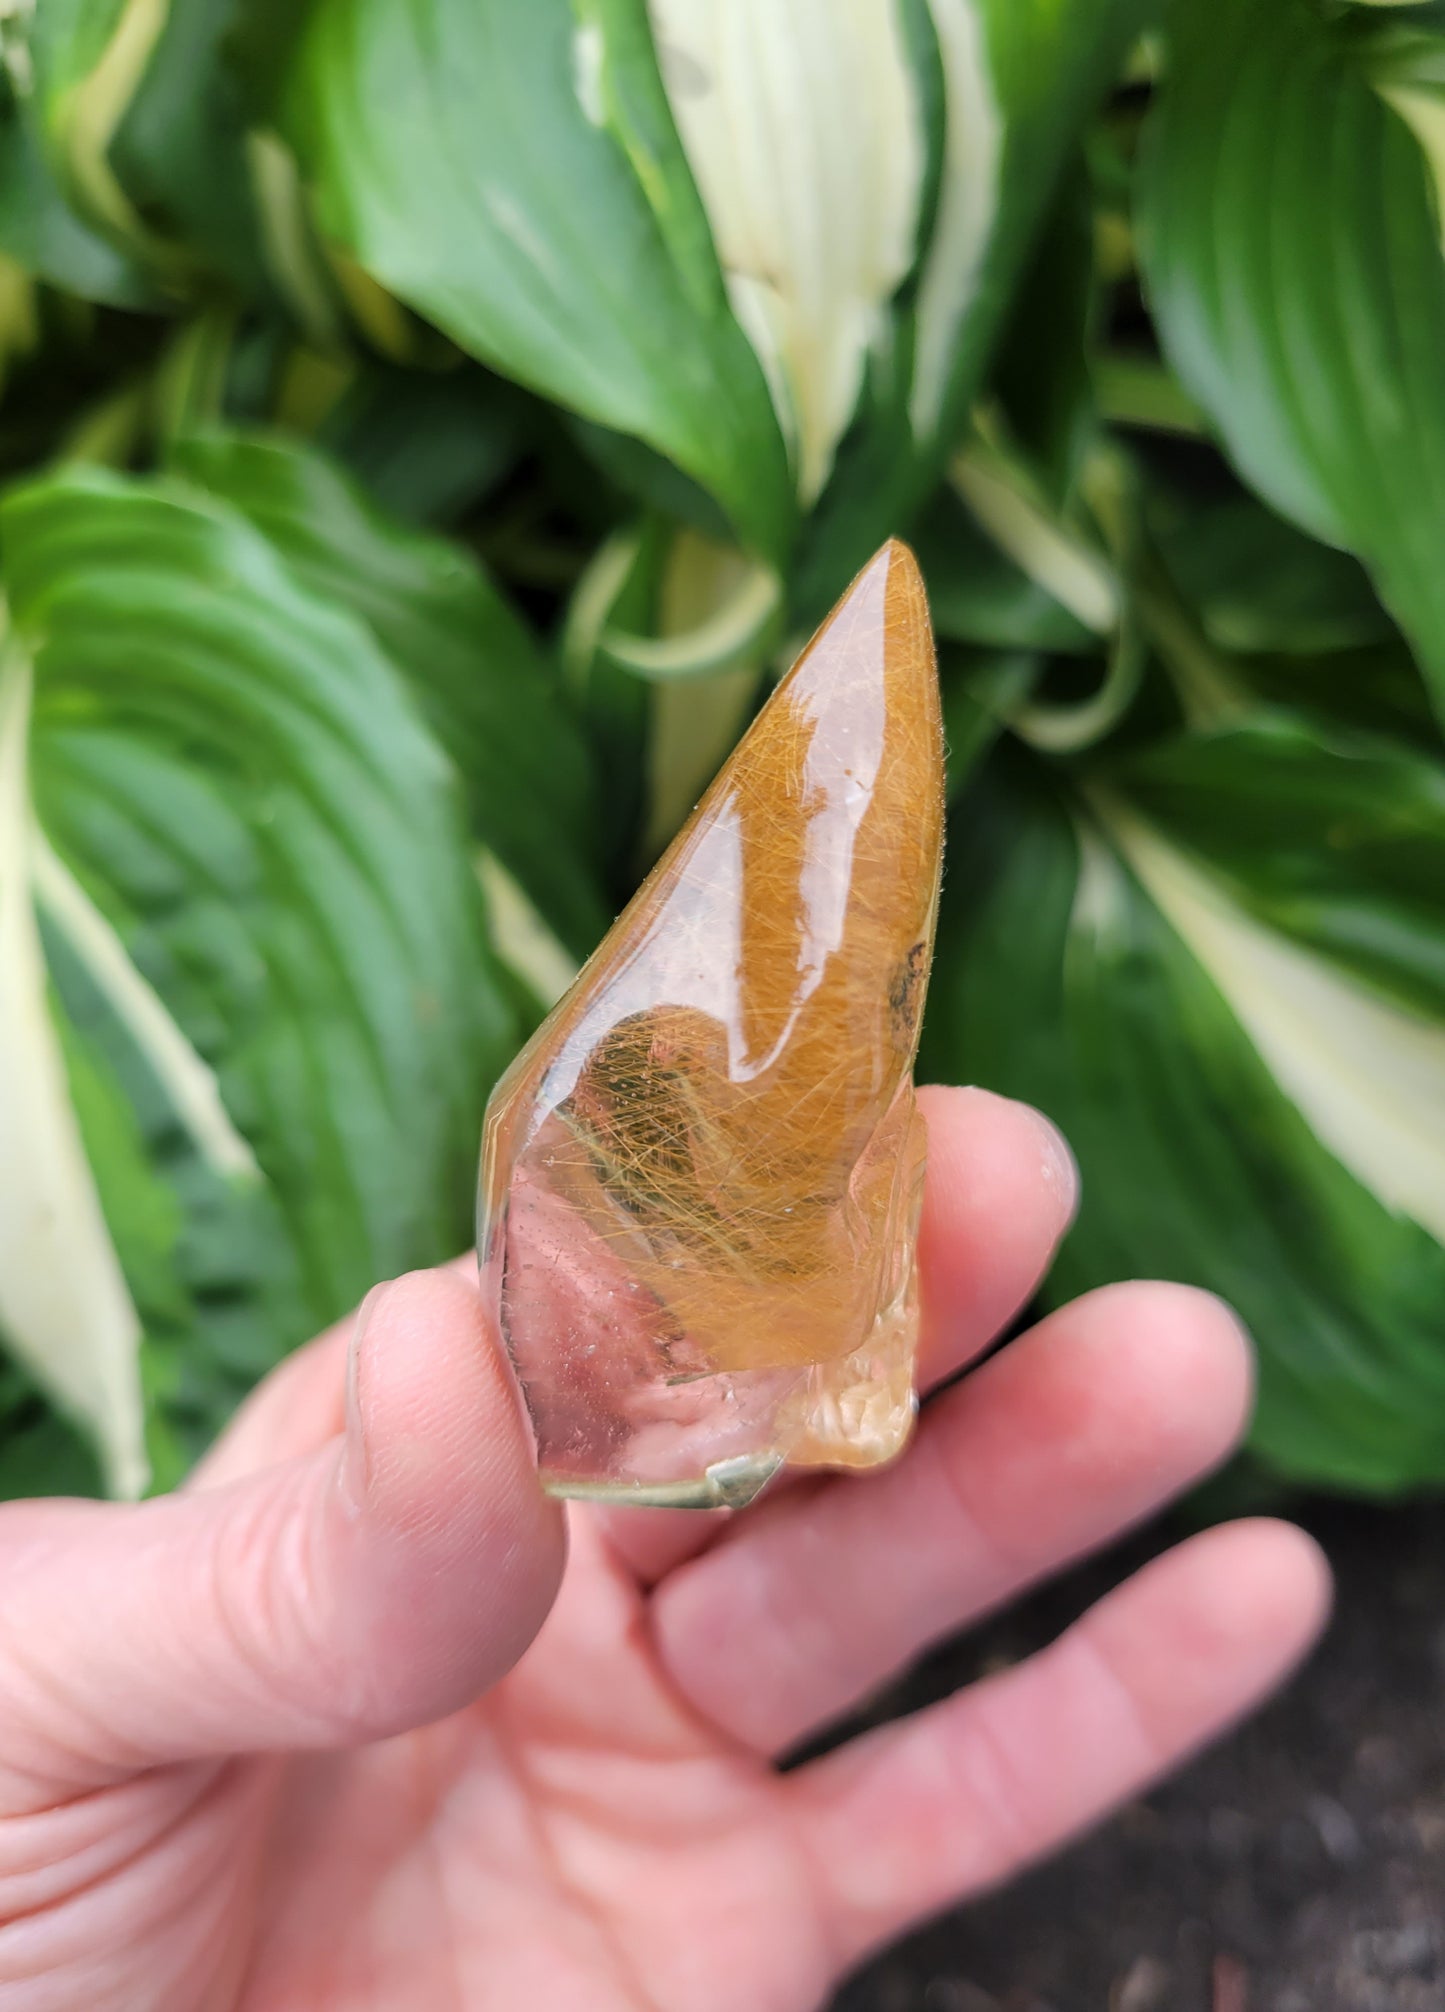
<point x="701" y="1179"/>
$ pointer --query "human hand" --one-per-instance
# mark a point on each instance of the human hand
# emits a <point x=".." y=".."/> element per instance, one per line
<point x="214" y="1792"/>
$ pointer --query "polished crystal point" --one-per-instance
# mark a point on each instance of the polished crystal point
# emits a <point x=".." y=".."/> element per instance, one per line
<point x="701" y="1178"/>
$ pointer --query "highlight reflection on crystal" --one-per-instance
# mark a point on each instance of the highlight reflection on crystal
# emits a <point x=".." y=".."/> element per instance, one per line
<point x="701" y="1178"/>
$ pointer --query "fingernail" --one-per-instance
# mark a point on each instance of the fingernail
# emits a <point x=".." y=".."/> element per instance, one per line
<point x="355" y="1459"/>
<point x="1060" y="1169"/>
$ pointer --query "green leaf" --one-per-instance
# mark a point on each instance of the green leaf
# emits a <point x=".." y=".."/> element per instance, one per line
<point x="619" y="589"/>
<point x="1198" y="1161"/>
<point x="1292" y="249"/>
<point x="65" y="1305"/>
<point x="1337" y="841"/>
<point x="210" y="1266"/>
<point x="714" y="613"/>
<point x="1018" y="80"/>
<point x="82" y="60"/>
<point x="1042" y="376"/>
<point x="43" y="234"/>
<point x="267" y="952"/>
<point x="1376" y="687"/>
<point x="507" y="206"/>
<point x="1015" y="512"/>
<point x="181" y="147"/>
<point x="1259" y="585"/>
<point x="155" y="116"/>
<point x="490" y="696"/>
<point x="982" y="691"/>
<point x="40" y="1452"/>
<point x="429" y="446"/>
<point x="667" y="639"/>
<point x="978" y="594"/>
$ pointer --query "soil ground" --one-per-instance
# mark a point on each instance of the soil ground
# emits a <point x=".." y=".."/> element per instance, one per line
<point x="1298" y="1867"/>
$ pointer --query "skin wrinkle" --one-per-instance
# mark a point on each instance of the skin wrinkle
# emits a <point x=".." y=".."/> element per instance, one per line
<point x="965" y="1765"/>
<point x="641" y="1628"/>
<point x="124" y="1900"/>
<point x="271" y="1602"/>
<point x="540" y="1794"/>
<point x="835" y="1956"/>
<point x="29" y="1856"/>
<point x="434" y="1785"/>
<point x="776" y="1613"/>
<point x="994" y="1789"/>
<point x="47" y="1689"/>
<point x="511" y="1755"/>
<point x="201" y="1781"/>
<point x="1011" y="1569"/>
<point x="1081" y="1643"/>
<point x="592" y="1816"/>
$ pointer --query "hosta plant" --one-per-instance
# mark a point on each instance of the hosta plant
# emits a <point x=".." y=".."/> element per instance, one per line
<point x="426" y="430"/>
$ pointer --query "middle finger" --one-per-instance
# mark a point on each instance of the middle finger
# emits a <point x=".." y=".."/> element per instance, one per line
<point x="1082" y="1426"/>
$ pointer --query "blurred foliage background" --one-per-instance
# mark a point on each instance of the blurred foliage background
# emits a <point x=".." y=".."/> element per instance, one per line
<point x="425" y="433"/>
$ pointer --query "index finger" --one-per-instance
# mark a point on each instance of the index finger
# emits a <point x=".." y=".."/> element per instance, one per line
<point x="1000" y="1192"/>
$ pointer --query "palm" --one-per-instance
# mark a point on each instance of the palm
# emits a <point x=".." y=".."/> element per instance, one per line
<point x="603" y="1826"/>
<point x="580" y="1837"/>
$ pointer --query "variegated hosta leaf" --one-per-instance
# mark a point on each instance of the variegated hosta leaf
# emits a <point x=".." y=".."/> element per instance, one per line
<point x="523" y="939"/>
<point x="244" y="1055"/>
<point x="740" y="234"/>
<point x="65" y="1307"/>
<point x="1292" y="245"/>
<point x="483" y="684"/>
<point x="39" y="230"/>
<point x="818" y="218"/>
<point x="538" y="208"/>
<point x="1368" y="1075"/>
<point x="92" y="60"/>
<point x="1003" y="87"/>
<point x="968" y="198"/>
<point x="764" y="240"/>
<point x="803" y="128"/>
<point x="1330" y="836"/>
<point x="694" y="722"/>
<point x="687" y="625"/>
<point x="1073" y="573"/>
<point x="142" y="146"/>
<point x="1247" y="1060"/>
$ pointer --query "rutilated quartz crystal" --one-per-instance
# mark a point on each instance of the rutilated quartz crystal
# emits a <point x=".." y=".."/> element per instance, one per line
<point x="701" y="1179"/>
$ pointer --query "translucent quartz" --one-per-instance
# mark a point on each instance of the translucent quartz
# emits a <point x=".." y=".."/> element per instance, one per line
<point x="701" y="1178"/>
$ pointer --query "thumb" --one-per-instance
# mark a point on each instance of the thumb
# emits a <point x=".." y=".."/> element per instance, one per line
<point x="373" y="1585"/>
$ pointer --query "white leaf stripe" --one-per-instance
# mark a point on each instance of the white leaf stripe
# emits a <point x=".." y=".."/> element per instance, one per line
<point x="802" y="129"/>
<point x="89" y="113"/>
<point x="1078" y="577"/>
<point x="1424" y="114"/>
<point x="693" y="722"/>
<point x="188" y="1083"/>
<point x="521" y="935"/>
<point x="1368" y="1076"/>
<point x="65" y="1308"/>
<point x="967" y="204"/>
<point x="733" y="605"/>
